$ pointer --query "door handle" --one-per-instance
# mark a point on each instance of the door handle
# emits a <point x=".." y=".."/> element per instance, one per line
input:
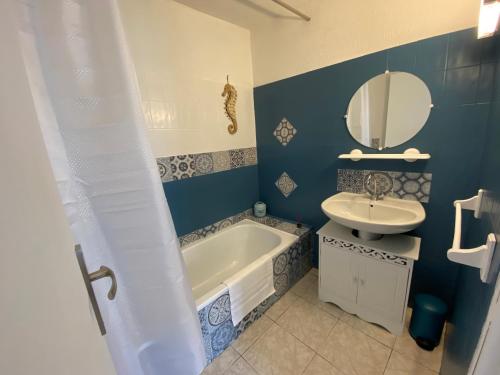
<point x="88" y="278"/>
<point x="105" y="272"/>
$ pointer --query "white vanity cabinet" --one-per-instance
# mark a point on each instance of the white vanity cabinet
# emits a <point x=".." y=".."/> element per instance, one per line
<point x="368" y="278"/>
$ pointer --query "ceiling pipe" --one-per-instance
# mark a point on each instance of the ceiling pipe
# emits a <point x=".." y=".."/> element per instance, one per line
<point x="292" y="9"/>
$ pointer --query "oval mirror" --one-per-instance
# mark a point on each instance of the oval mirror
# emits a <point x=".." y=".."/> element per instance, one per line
<point x="388" y="110"/>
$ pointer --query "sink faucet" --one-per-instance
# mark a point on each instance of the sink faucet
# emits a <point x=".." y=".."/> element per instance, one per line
<point x="374" y="194"/>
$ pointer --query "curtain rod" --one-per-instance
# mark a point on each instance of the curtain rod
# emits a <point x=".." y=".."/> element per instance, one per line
<point x="292" y="9"/>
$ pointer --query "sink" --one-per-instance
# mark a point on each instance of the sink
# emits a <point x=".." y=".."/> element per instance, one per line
<point x="373" y="218"/>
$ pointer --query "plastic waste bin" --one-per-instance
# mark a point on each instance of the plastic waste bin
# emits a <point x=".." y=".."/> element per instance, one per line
<point x="427" y="320"/>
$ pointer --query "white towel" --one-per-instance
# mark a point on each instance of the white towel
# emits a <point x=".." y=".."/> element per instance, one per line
<point x="248" y="289"/>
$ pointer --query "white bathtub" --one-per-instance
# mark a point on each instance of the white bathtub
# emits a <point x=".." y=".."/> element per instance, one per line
<point x="213" y="260"/>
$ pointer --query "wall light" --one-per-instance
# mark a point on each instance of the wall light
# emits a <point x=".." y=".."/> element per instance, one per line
<point x="489" y="13"/>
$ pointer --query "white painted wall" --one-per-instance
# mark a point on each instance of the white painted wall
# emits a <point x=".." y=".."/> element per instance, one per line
<point x="182" y="57"/>
<point x="284" y="46"/>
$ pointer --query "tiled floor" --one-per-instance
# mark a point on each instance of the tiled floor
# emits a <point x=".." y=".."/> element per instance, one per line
<point x="302" y="335"/>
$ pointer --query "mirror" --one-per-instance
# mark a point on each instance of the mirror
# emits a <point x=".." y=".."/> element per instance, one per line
<point x="388" y="110"/>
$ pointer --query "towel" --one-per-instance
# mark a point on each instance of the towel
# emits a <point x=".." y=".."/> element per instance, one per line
<point x="247" y="289"/>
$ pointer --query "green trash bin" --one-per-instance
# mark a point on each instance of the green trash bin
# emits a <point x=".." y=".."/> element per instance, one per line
<point x="427" y="320"/>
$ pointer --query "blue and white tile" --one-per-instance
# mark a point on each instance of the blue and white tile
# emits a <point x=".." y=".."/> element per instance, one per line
<point x="203" y="163"/>
<point x="404" y="185"/>
<point x="236" y="158"/>
<point x="191" y="165"/>
<point x="284" y="132"/>
<point x="350" y="180"/>
<point x="285" y="184"/>
<point x="182" y="166"/>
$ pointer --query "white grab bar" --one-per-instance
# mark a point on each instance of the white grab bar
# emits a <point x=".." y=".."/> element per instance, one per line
<point x="479" y="257"/>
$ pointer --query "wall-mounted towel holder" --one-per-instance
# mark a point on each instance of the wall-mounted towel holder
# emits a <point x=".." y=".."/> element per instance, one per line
<point x="479" y="257"/>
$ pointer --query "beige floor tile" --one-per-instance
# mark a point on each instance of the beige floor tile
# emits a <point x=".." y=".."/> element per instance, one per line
<point x="314" y="271"/>
<point x="241" y="367"/>
<point x="308" y="323"/>
<point x="278" y="353"/>
<point x="251" y="334"/>
<point x="353" y="352"/>
<point x="378" y="333"/>
<point x="319" y="366"/>
<point x="280" y="306"/>
<point x="407" y="346"/>
<point x="222" y="362"/>
<point x="331" y="309"/>
<point x="307" y="288"/>
<point x="401" y="365"/>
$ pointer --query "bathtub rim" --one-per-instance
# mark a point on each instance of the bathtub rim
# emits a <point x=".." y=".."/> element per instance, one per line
<point x="286" y="240"/>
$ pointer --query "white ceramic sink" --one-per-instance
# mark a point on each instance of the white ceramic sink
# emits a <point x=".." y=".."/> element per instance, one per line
<point x="386" y="216"/>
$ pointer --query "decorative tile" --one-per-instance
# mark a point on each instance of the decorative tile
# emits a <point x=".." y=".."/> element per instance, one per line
<point x="221" y="161"/>
<point x="186" y="166"/>
<point x="285" y="184"/>
<point x="250" y="156"/>
<point x="164" y="169"/>
<point x="236" y="158"/>
<point x="412" y="186"/>
<point x="182" y="166"/>
<point x="378" y="183"/>
<point x="203" y="163"/>
<point x="350" y="180"/>
<point x="404" y="185"/>
<point x="284" y="132"/>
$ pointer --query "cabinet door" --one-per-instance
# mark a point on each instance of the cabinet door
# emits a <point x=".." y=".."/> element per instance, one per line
<point x="338" y="276"/>
<point x="382" y="288"/>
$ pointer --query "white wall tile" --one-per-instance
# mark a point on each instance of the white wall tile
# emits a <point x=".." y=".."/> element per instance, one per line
<point x="182" y="58"/>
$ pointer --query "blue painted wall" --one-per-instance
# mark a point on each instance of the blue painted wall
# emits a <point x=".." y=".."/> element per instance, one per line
<point x="473" y="297"/>
<point x="202" y="200"/>
<point x="459" y="71"/>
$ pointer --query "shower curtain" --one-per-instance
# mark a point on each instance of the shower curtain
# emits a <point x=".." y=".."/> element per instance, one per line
<point x="87" y="100"/>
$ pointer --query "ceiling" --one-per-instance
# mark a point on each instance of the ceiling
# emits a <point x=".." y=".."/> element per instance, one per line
<point x="247" y="13"/>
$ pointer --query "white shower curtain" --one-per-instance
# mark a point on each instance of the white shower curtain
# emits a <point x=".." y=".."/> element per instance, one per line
<point x="87" y="100"/>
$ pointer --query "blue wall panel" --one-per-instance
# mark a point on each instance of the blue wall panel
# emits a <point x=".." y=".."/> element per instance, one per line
<point x="473" y="297"/>
<point x="459" y="71"/>
<point x="202" y="200"/>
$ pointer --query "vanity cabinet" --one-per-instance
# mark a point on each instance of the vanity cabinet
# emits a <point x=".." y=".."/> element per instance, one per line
<point x="368" y="278"/>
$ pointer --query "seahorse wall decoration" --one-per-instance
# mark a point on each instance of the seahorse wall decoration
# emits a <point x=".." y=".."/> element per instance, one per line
<point x="230" y="106"/>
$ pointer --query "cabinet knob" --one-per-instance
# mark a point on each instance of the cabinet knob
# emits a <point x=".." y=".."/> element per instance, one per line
<point x="362" y="282"/>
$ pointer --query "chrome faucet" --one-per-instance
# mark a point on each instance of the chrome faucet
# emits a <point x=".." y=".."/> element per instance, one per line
<point x="375" y="194"/>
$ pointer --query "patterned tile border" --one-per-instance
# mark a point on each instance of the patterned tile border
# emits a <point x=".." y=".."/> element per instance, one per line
<point x="216" y="323"/>
<point x="271" y="221"/>
<point x="405" y="185"/>
<point x="178" y="167"/>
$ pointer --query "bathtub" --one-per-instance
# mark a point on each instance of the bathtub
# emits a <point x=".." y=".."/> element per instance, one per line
<point x="214" y="259"/>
